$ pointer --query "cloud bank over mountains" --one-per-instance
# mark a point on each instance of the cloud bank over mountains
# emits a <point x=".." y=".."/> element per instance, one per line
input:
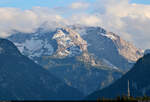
<point x="130" y="21"/>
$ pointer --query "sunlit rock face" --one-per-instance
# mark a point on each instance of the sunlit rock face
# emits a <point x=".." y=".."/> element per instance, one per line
<point x="109" y="46"/>
<point x="69" y="43"/>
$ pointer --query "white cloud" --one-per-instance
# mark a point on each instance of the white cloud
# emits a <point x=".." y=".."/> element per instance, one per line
<point x="25" y="21"/>
<point x="131" y="21"/>
<point x="79" y="5"/>
<point x="85" y="19"/>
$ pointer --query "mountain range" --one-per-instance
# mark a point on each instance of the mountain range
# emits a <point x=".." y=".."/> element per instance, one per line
<point x="84" y="57"/>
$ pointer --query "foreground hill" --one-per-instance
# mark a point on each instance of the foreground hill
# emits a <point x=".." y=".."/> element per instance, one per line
<point x="138" y="78"/>
<point x="22" y="79"/>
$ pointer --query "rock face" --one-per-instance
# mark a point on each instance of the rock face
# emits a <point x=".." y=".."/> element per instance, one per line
<point x="109" y="46"/>
<point x="22" y="79"/>
<point x="139" y="83"/>
<point x="69" y="43"/>
<point x="80" y="54"/>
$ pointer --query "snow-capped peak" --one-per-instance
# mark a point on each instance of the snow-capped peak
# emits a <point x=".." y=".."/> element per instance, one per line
<point x="73" y="40"/>
<point x="69" y="43"/>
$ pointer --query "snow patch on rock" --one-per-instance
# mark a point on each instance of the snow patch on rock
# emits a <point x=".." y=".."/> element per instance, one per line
<point x="110" y="36"/>
<point x="35" y="47"/>
<point x="69" y="43"/>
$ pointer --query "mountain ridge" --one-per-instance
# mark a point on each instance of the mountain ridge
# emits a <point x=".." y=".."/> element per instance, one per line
<point x="22" y="79"/>
<point x="138" y="78"/>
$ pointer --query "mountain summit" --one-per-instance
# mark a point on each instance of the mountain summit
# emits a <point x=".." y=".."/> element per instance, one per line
<point x="69" y="43"/>
<point x="109" y="46"/>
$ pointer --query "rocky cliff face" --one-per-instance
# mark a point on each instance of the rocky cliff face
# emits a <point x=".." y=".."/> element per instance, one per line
<point x="127" y="50"/>
<point x="69" y="43"/>
<point x="109" y="46"/>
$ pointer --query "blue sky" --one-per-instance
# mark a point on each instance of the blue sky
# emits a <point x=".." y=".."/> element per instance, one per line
<point x="141" y="1"/>
<point x="28" y="4"/>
